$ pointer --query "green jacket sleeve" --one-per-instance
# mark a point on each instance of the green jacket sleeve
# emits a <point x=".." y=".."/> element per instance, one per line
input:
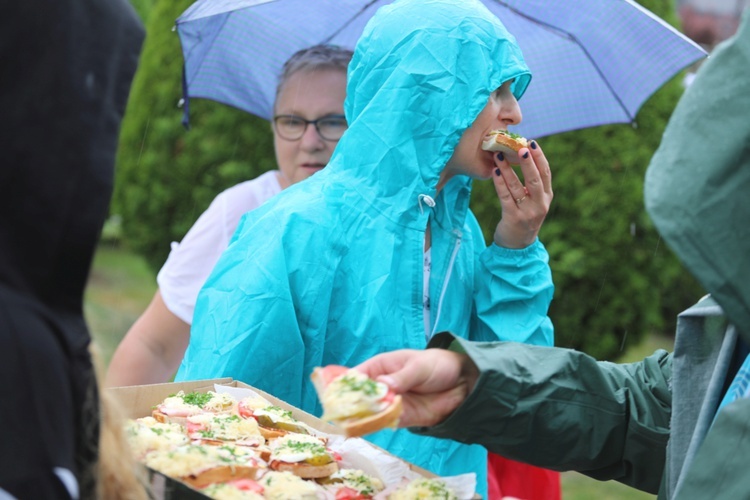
<point x="563" y="410"/>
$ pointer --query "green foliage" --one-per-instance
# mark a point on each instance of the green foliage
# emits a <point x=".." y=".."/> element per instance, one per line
<point x="142" y="7"/>
<point x="615" y="280"/>
<point x="167" y="176"/>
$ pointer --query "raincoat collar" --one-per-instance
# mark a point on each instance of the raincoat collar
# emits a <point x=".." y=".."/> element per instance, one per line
<point x="415" y="84"/>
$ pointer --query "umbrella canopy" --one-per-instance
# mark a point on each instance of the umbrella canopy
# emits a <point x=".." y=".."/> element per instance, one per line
<point x="594" y="62"/>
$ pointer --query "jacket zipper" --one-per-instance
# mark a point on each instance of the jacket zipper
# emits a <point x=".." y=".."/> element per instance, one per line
<point x="452" y="261"/>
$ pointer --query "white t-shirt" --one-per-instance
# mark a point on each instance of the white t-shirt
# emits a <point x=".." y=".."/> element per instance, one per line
<point x="192" y="260"/>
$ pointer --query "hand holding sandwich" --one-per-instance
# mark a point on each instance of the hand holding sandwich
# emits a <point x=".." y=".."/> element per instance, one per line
<point x="432" y="383"/>
<point x="524" y="204"/>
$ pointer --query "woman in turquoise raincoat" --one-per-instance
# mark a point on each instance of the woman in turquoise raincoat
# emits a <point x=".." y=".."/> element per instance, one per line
<point x="332" y="270"/>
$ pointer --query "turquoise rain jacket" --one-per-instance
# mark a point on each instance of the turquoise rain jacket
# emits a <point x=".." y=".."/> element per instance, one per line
<point x="330" y="271"/>
<point x="651" y="424"/>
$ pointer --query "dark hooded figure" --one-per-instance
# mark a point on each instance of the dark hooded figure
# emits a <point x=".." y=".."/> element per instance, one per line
<point x="66" y="68"/>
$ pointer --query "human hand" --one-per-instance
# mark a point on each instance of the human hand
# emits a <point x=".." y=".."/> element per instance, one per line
<point x="432" y="383"/>
<point x="524" y="207"/>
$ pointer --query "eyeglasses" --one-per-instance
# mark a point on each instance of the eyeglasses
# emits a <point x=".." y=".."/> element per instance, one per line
<point x="292" y="128"/>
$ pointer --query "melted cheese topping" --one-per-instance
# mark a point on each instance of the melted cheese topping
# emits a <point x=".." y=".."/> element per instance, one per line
<point x="353" y="395"/>
<point x="226" y="427"/>
<point x="227" y="491"/>
<point x="194" y="459"/>
<point x="176" y="405"/>
<point x="254" y="403"/>
<point x="287" y="486"/>
<point x="146" y="435"/>
<point x="294" y="448"/>
<point x="358" y="480"/>
<point x="424" y="489"/>
<point x="219" y="402"/>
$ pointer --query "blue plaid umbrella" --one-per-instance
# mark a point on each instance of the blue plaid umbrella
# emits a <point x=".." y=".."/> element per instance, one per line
<point x="594" y="61"/>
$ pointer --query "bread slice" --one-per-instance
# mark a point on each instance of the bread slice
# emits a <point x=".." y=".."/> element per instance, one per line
<point x="387" y="418"/>
<point x="221" y="474"/>
<point x="358" y="424"/>
<point x="305" y="470"/>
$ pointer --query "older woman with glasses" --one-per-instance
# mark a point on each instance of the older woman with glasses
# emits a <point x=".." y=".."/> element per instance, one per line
<point x="307" y="125"/>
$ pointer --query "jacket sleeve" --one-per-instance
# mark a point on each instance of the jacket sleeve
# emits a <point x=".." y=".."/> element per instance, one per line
<point x="513" y="291"/>
<point x="231" y="336"/>
<point x="563" y="410"/>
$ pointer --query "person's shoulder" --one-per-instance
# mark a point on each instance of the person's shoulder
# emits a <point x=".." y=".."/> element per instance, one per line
<point x="248" y="195"/>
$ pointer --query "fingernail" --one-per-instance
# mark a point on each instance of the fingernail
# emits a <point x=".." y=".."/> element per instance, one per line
<point x="533" y="144"/>
<point x="497" y="172"/>
<point x="387" y="380"/>
<point x="500" y="156"/>
<point x="525" y="155"/>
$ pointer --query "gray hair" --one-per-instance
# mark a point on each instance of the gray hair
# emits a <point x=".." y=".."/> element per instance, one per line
<point x="313" y="58"/>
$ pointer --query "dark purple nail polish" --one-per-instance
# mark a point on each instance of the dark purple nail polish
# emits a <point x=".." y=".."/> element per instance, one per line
<point x="500" y="156"/>
<point x="525" y="155"/>
<point x="497" y="172"/>
<point x="533" y="144"/>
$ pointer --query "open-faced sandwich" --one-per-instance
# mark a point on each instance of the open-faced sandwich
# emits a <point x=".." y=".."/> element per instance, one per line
<point x="273" y="421"/>
<point x="200" y="466"/>
<point x="239" y="489"/>
<point x="177" y="407"/>
<point x="506" y="142"/>
<point x="302" y="455"/>
<point x="224" y="428"/>
<point x="424" y="489"/>
<point x="355" y="402"/>
<point x="353" y="484"/>
<point x="287" y="486"/>
<point x="146" y="434"/>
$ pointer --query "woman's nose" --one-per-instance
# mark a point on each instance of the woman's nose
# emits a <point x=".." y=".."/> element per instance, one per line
<point x="311" y="139"/>
<point x="510" y="111"/>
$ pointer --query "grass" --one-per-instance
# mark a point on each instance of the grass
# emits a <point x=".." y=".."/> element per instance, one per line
<point x="121" y="286"/>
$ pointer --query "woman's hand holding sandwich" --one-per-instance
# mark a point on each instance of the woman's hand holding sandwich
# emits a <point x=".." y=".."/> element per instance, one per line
<point x="524" y="205"/>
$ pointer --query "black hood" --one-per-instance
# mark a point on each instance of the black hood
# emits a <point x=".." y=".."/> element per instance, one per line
<point x="59" y="123"/>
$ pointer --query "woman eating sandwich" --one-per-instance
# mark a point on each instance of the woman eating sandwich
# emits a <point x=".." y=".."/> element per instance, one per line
<point x="379" y="250"/>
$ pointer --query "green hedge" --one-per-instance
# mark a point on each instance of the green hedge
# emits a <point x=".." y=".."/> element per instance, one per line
<point x="615" y="280"/>
<point x="167" y="176"/>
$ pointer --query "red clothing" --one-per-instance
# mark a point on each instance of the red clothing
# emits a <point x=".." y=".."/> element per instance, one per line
<point x="508" y="478"/>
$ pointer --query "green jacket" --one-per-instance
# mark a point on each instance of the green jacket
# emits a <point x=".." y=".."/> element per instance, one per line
<point x="649" y="424"/>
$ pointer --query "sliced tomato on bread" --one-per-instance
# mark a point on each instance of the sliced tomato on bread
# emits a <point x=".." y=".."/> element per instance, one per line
<point x="177" y="407"/>
<point x="354" y="402"/>
<point x="302" y="455"/>
<point x="273" y="421"/>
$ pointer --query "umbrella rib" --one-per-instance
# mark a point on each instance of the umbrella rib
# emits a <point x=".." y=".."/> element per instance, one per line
<point x="574" y="39"/>
<point x="347" y="23"/>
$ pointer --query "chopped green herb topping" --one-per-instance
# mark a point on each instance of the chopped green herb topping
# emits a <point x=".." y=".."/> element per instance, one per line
<point x="196" y="398"/>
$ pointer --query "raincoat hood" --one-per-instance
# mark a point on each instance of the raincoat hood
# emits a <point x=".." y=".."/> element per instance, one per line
<point x="697" y="186"/>
<point x="415" y="84"/>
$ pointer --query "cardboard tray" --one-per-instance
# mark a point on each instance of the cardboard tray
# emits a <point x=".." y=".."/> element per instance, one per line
<point x="138" y="401"/>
